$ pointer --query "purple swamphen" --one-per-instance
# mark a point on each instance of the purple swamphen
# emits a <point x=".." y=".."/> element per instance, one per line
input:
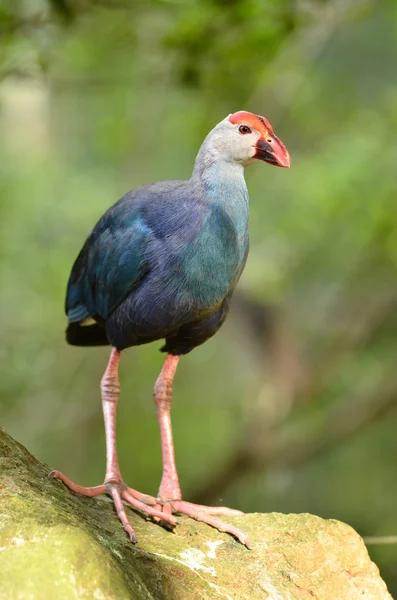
<point x="162" y="263"/>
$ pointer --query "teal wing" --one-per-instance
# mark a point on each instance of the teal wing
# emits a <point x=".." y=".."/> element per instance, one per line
<point x="110" y="264"/>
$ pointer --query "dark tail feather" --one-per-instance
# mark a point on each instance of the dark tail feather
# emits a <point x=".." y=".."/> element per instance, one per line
<point x="90" y="335"/>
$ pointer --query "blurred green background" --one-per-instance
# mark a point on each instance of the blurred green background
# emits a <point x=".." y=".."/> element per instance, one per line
<point x="293" y="405"/>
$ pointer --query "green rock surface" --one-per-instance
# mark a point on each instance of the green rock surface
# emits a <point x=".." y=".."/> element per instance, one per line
<point x="57" y="545"/>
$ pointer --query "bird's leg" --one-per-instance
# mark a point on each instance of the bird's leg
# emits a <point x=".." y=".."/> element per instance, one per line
<point x="170" y="496"/>
<point x="169" y="486"/>
<point x="169" y="499"/>
<point x="114" y="484"/>
<point x="110" y="392"/>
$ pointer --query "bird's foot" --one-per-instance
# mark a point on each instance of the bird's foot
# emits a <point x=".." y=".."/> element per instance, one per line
<point x="205" y="514"/>
<point x="119" y="491"/>
<point x="160" y="510"/>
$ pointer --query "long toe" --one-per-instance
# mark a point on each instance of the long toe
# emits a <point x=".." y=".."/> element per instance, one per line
<point x="116" y="495"/>
<point x="200" y="515"/>
<point x="213" y="510"/>
<point x="96" y="490"/>
<point x="149" y="510"/>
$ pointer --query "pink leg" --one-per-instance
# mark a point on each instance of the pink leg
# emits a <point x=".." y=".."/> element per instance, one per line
<point x="114" y="485"/>
<point x="110" y="392"/>
<point x="170" y="496"/>
<point x="169" y="486"/>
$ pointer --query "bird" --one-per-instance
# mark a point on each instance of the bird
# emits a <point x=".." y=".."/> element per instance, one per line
<point x="162" y="263"/>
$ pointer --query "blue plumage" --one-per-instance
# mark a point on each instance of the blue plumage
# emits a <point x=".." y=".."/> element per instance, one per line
<point x="161" y="263"/>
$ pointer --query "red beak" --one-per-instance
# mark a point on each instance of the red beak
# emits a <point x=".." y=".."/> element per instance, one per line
<point x="274" y="152"/>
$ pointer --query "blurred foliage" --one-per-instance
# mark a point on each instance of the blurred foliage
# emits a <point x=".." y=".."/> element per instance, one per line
<point x="292" y="406"/>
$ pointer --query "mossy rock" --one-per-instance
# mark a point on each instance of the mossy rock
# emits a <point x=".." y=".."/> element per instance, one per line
<point x="60" y="546"/>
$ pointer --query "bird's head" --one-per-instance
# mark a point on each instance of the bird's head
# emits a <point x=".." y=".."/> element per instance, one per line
<point x="244" y="137"/>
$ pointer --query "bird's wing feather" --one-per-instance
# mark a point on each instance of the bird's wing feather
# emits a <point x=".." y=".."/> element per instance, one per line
<point x="110" y="264"/>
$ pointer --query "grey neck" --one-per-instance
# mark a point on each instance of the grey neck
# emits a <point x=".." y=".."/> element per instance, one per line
<point x="215" y="172"/>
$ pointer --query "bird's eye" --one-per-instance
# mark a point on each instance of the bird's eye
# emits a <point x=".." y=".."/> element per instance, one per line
<point x="244" y="129"/>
